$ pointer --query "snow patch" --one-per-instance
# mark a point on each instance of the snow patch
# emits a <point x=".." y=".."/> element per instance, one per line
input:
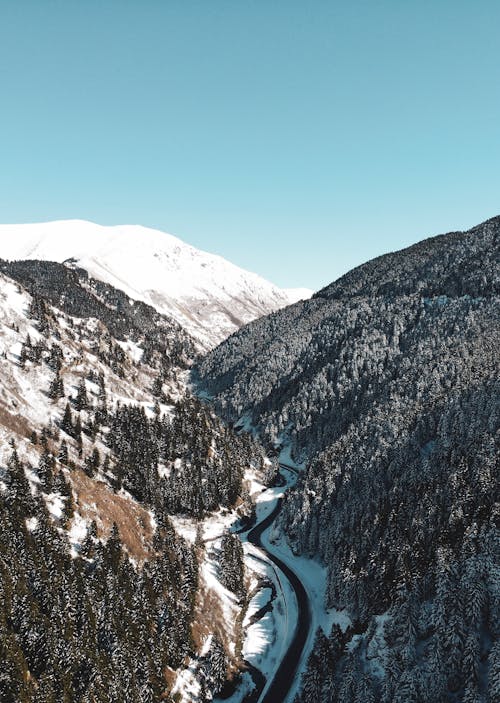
<point x="55" y="504"/>
<point x="31" y="524"/>
<point x="78" y="529"/>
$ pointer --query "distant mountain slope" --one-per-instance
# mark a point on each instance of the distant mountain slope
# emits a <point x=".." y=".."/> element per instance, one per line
<point x="453" y="264"/>
<point x="207" y="295"/>
<point x="74" y="292"/>
<point x="276" y="369"/>
<point x="387" y="381"/>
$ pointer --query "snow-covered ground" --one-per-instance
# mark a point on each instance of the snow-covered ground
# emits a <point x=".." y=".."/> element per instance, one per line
<point x="262" y="644"/>
<point x="207" y="295"/>
<point x="23" y="397"/>
<point x="313" y="577"/>
<point x="267" y="639"/>
<point x="24" y="406"/>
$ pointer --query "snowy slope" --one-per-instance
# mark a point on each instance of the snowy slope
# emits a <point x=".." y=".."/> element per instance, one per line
<point x="296" y="294"/>
<point x="207" y="295"/>
<point x="26" y="408"/>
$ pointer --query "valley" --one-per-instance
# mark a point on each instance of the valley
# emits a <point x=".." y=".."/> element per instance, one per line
<point x="281" y="683"/>
<point x="305" y="511"/>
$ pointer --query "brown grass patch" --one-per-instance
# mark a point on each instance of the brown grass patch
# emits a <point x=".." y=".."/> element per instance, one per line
<point x="14" y="423"/>
<point x="170" y="677"/>
<point x="209" y="618"/>
<point x="96" y="501"/>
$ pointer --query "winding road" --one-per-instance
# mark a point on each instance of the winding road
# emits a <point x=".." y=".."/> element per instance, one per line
<point x="277" y="690"/>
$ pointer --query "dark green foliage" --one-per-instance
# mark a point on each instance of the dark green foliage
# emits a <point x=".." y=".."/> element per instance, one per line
<point x="387" y="382"/>
<point x="157" y="388"/>
<point x="166" y="344"/>
<point x="56" y="388"/>
<point x="454" y="264"/>
<point x="55" y="358"/>
<point x="94" y="628"/>
<point x="81" y="399"/>
<point x="67" y="421"/>
<point x="71" y="629"/>
<point x="62" y="457"/>
<point x="231" y="564"/>
<point x="205" y="460"/>
<point x="45" y="470"/>
<point x="216" y="666"/>
<point x="91" y="463"/>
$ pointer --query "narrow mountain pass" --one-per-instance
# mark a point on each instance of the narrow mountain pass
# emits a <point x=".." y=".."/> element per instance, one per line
<point x="279" y="687"/>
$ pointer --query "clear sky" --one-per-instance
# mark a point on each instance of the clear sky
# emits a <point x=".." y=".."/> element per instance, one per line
<point x="296" y="138"/>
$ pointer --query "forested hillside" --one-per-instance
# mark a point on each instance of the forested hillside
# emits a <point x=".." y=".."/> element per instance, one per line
<point x="100" y="598"/>
<point x="387" y="383"/>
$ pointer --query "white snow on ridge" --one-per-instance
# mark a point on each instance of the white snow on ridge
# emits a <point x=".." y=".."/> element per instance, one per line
<point x="207" y="295"/>
<point x="296" y="294"/>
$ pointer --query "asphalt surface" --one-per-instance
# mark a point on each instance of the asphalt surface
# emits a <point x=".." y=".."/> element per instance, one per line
<point x="284" y="677"/>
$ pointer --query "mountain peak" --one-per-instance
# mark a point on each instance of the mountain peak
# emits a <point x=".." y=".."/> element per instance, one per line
<point x="207" y="295"/>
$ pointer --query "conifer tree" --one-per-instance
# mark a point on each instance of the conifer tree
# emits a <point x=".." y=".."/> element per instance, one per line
<point x="67" y="421"/>
<point x="217" y="671"/>
<point x="63" y="453"/>
<point x="81" y="398"/>
<point x="56" y="388"/>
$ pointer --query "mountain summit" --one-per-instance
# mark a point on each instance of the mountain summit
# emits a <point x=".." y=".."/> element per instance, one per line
<point x="207" y="295"/>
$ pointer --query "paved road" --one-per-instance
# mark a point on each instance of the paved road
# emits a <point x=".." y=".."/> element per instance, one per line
<point x="278" y="689"/>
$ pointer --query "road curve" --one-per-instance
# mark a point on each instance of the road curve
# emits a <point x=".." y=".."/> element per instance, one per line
<point x="279" y="688"/>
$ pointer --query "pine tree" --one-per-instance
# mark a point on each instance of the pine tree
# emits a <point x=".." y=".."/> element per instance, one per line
<point x="23" y="355"/>
<point x="494" y="673"/>
<point x="45" y="469"/>
<point x="217" y="665"/>
<point x="81" y="398"/>
<point x="471" y="693"/>
<point x="91" y="463"/>
<point x="102" y="389"/>
<point x="56" y="388"/>
<point x="106" y="464"/>
<point x="13" y="463"/>
<point x="55" y="358"/>
<point x="157" y="387"/>
<point x="113" y="549"/>
<point x="67" y="422"/>
<point x="63" y="453"/>
<point x="232" y="564"/>
<point x="88" y="544"/>
<point x="77" y="434"/>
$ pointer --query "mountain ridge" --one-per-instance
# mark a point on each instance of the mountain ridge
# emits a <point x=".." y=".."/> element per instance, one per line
<point x="430" y="251"/>
<point x="208" y="295"/>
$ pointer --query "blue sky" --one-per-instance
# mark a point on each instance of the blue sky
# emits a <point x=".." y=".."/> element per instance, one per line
<point x="298" y="139"/>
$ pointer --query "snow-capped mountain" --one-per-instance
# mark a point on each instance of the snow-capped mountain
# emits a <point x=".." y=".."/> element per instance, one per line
<point x="207" y="295"/>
